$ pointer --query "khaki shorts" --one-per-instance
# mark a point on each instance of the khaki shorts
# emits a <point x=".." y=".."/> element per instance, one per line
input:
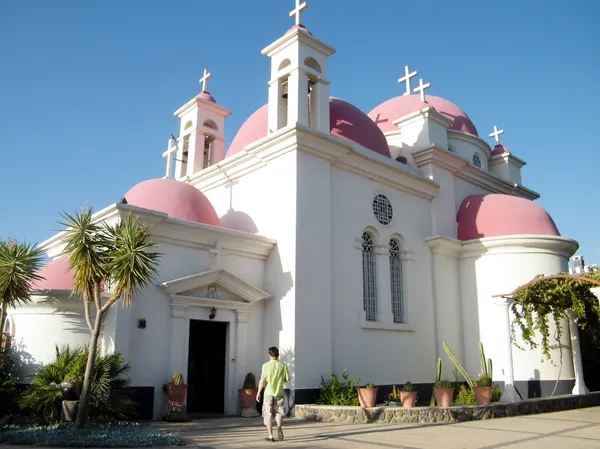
<point x="272" y="408"/>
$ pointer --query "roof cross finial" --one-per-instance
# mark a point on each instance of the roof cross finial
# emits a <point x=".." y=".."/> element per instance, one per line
<point x="421" y="89"/>
<point x="496" y="134"/>
<point x="204" y="80"/>
<point x="406" y="79"/>
<point x="297" y="10"/>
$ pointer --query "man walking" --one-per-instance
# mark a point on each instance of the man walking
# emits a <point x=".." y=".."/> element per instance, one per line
<point x="274" y="374"/>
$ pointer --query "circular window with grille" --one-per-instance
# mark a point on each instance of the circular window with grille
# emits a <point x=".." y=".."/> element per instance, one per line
<point x="382" y="208"/>
<point x="476" y="161"/>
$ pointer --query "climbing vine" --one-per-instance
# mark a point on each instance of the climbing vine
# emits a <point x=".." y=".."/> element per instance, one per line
<point x="547" y="300"/>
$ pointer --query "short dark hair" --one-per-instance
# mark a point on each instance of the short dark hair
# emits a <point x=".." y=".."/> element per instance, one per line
<point x="274" y="352"/>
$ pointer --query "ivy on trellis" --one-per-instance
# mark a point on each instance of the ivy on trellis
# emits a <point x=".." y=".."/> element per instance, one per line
<point x="548" y="299"/>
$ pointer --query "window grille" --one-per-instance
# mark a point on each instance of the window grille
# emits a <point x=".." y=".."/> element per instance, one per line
<point x="382" y="208"/>
<point x="396" y="281"/>
<point x="369" y="284"/>
<point x="476" y="161"/>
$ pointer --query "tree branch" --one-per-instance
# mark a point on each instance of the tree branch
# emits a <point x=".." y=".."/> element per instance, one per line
<point x="88" y="319"/>
<point x="109" y="303"/>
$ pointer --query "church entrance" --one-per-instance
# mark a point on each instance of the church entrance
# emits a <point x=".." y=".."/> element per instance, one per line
<point x="206" y="367"/>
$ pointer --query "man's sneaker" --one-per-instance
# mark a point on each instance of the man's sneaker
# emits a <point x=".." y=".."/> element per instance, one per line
<point x="279" y="434"/>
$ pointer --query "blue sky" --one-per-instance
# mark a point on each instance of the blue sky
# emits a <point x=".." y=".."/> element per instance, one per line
<point x="88" y="89"/>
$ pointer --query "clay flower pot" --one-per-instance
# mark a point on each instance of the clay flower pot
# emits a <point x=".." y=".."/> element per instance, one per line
<point x="443" y="396"/>
<point x="408" y="398"/>
<point x="248" y="398"/>
<point x="176" y="394"/>
<point x="68" y="390"/>
<point x="367" y="396"/>
<point x="483" y="395"/>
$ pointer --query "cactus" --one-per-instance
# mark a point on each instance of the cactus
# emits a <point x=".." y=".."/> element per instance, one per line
<point x="438" y="378"/>
<point x="490" y="371"/>
<point x="458" y="366"/>
<point x="177" y="379"/>
<point x="249" y="382"/>
<point x="482" y="360"/>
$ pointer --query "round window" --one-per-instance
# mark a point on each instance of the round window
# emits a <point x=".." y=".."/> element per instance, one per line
<point x="476" y="161"/>
<point x="382" y="208"/>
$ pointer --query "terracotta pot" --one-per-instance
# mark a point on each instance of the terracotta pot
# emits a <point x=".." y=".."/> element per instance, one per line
<point x="367" y="396"/>
<point x="68" y="390"/>
<point x="248" y="398"/>
<point x="443" y="396"/>
<point x="176" y="394"/>
<point x="408" y="398"/>
<point x="483" y="395"/>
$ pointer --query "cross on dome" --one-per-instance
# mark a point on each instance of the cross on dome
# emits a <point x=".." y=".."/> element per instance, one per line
<point x="297" y="10"/>
<point x="421" y="89"/>
<point x="406" y="78"/>
<point x="496" y="134"/>
<point x="204" y="80"/>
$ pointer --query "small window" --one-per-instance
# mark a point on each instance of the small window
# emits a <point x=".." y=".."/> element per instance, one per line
<point x="382" y="208"/>
<point x="476" y="161"/>
<point x="396" y="282"/>
<point x="369" y="280"/>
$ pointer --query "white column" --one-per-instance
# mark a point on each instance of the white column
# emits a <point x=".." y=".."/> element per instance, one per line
<point x="297" y="98"/>
<point x="193" y="153"/>
<point x="241" y="349"/>
<point x="320" y="106"/>
<point x="579" y="387"/>
<point x="384" y="288"/>
<point x="179" y="340"/>
<point x="274" y="106"/>
<point x="510" y="393"/>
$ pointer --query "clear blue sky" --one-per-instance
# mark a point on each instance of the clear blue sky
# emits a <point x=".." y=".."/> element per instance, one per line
<point x="88" y="89"/>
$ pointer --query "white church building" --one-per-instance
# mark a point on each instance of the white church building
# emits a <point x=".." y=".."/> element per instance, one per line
<point x="352" y="241"/>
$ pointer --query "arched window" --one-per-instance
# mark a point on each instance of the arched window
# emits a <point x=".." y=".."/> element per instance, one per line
<point x="396" y="281"/>
<point x="369" y="281"/>
<point x="476" y="160"/>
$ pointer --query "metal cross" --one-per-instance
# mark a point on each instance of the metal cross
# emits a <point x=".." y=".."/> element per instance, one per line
<point x="421" y="89"/>
<point x="204" y="80"/>
<point x="297" y="10"/>
<point x="171" y="150"/>
<point x="406" y="79"/>
<point x="496" y="134"/>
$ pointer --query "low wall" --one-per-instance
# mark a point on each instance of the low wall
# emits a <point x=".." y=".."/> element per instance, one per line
<point x="427" y="415"/>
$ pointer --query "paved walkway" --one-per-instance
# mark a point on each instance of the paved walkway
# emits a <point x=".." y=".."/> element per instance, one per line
<point x="573" y="429"/>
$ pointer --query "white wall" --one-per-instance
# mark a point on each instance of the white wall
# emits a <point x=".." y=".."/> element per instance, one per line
<point x="466" y="149"/>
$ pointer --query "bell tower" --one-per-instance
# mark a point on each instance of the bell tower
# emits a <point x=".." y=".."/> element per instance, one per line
<point x="299" y="88"/>
<point x="201" y="141"/>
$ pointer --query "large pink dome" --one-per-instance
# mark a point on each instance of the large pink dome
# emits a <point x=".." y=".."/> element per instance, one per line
<point x="346" y="121"/>
<point x="496" y="215"/>
<point x="395" y="108"/>
<point x="56" y="276"/>
<point x="175" y="198"/>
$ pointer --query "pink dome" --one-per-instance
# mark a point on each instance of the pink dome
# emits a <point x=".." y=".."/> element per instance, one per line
<point x="175" y="198"/>
<point x="346" y="121"/>
<point x="204" y="95"/>
<point x="398" y="107"/>
<point x="496" y="215"/>
<point x="56" y="276"/>
<point x="499" y="149"/>
<point x="298" y="27"/>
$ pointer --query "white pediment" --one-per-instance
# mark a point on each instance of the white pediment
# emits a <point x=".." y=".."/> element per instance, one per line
<point x="219" y="285"/>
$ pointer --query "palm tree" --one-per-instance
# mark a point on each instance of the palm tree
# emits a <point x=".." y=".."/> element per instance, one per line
<point x="19" y="263"/>
<point x="115" y="256"/>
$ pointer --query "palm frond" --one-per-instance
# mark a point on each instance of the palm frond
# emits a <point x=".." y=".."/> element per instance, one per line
<point x="19" y="263"/>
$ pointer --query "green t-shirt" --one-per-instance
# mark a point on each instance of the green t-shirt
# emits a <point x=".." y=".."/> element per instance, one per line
<point x="275" y="374"/>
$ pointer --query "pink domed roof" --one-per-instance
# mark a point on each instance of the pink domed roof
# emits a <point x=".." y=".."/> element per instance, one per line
<point x="206" y="96"/>
<point x="175" y="198"/>
<point x="495" y="215"/>
<point x="398" y="107"/>
<point x="56" y="276"/>
<point x="346" y="121"/>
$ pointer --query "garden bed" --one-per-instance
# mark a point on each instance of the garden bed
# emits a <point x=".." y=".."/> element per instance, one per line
<point x="428" y="415"/>
<point x="117" y="435"/>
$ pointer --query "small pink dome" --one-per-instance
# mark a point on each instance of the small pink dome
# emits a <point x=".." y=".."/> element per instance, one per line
<point x="298" y="27"/>
<point x="56" y="276"/>
<point x="495" y="215"/>
<point x="346" y="121"/>
<point x="499" y="149"/>
<point x="398" y="107"/>
<point x="175" y="198"/>
<point x="206" y="96"/>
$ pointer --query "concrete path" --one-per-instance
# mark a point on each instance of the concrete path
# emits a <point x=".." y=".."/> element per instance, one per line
<point x="573" y="429"/>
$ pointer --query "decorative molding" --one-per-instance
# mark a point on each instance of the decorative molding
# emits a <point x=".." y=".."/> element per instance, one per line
<point x="242" y="316"/>
<point x="445" y="246"/>
<point x="507" y="158"/>
<point x="520" y="244"/>
<point x="378" y="325"/>
<point x="294" y="36"/>
<point x="423" y="114"/>
<point x="470" y="138"/>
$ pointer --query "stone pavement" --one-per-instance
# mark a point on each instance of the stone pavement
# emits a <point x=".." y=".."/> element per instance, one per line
<point x="572" y="429"/>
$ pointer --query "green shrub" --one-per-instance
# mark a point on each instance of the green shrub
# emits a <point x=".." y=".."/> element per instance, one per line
<point x="7" y="381"/>
<point x="338" y="392"/>
<point x="115" y="435"/>
<point x="111" y="397"/>
<point x="465" y="395"/>
<point x="443" y="384"/>
<point x="484" y="381"/>
<point x="394" y="395"/>
<point x="408" y="388"/>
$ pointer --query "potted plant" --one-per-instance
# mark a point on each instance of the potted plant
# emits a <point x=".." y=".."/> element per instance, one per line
<point x="483" y="389"/>
<point x="176" y="390"/>
<point x="408" y="395"/>
<point x="394" y="398"/>
<point x="367" y="395"/>
<point x="68" y="389"/>
<point x="248" y="391"/>
<point x="443" y="391"/>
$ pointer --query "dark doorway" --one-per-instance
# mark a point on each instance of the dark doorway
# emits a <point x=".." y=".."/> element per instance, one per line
<point x="206" y="367"/>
